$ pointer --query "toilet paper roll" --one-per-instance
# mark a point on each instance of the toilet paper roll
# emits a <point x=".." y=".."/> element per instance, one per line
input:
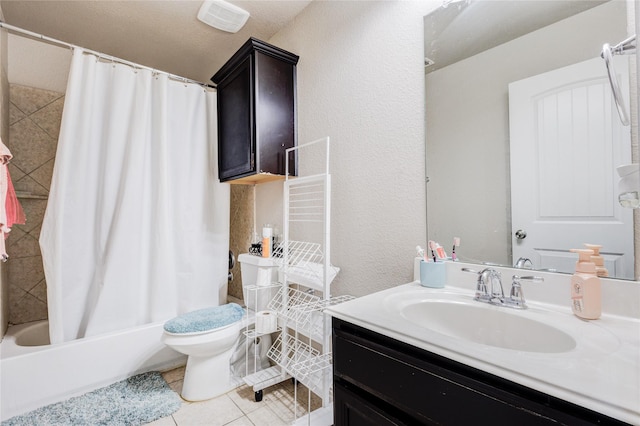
<point x="266" y="322"/>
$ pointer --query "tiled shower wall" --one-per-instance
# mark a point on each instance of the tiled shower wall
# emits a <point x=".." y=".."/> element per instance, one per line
<point x="4" y="135"/>
<point x="34" y="125"/>
<point x="241" y="228"/>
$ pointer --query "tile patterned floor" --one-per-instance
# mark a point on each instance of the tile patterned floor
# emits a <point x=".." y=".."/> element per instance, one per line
<point x="238" y="407"/>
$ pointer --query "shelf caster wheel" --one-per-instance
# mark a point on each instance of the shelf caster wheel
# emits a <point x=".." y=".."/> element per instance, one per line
<point x="258" y="396"/>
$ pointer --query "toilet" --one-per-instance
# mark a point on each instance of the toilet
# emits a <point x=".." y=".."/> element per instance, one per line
<point x="258" y="276"/>
<point x="208" y="336"/>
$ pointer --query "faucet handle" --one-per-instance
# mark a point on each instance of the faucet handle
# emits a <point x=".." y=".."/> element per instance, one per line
<point x="516" y="295"/>
<point x="484" y="285"/>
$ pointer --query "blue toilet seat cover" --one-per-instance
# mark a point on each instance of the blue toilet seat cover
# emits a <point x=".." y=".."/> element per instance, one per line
<point x="205" y="319"/>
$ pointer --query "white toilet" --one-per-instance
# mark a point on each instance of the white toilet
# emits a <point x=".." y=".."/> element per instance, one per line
<point x="259" y="274"/>
<point x="208" y="336"/>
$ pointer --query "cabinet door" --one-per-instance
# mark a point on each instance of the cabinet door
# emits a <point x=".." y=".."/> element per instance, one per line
<point x="350" y="409"/>
<point x="236" y="141"/>
<point x="275" y="113"/>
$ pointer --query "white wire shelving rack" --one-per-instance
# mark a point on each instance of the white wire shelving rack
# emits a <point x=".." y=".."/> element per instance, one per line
<point x="302" y="350"/>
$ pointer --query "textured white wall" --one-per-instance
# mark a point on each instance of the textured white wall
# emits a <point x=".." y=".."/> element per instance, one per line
<point x="45" y="66"/>
<point x="361" y="82"/>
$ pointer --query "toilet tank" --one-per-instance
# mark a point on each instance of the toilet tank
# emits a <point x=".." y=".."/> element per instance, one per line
<point x="259" y="274"/>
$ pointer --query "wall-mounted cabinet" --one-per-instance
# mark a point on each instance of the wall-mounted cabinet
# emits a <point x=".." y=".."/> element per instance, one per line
<point x="256" y="113"/>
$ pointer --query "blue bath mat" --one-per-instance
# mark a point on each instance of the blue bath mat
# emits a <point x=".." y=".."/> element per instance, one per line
<point x="135" y="401"/>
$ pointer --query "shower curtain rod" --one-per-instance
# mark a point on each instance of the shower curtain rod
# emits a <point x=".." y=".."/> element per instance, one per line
<point x="44" y="38"/>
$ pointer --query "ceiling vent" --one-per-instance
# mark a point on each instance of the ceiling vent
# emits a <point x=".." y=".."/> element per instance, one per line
<point x="223" y="15"/>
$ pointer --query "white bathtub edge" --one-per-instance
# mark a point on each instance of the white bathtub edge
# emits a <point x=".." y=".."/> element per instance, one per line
<point x="57" y="372"/>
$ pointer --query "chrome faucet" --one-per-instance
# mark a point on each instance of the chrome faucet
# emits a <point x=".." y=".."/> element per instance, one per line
<point x="516" y="295"/>
<point x="523" y="263"/>
<point x="489" y="288"/>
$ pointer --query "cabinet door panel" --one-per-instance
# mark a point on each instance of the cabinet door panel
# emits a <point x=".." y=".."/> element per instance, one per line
<point x="352" y="410"/>
<point x="235" y="129"/>
<point x="275" y="116"/>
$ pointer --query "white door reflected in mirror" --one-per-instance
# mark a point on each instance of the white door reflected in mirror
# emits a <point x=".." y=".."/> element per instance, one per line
<point x="566" y="141"/>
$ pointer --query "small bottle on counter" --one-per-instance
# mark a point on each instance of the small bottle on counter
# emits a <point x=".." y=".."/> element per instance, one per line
<point x="586" y="298"/>
<point x="267" y="233"/>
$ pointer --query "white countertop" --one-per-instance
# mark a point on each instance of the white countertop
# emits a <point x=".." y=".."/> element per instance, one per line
<point x="601" y="373"/>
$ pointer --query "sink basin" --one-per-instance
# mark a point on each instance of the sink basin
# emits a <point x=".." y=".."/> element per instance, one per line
<point x="487" y="325"/>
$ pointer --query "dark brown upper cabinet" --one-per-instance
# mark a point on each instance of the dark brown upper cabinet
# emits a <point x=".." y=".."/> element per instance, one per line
<point x="256" y="114"/>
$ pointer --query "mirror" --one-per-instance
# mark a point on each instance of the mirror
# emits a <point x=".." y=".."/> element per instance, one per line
<point x="476" y="52"/>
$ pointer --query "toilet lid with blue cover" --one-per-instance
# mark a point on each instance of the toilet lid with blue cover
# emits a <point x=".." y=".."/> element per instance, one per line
<point x="205" y="319"/>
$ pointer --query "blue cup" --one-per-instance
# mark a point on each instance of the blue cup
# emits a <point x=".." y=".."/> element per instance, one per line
<point x="433" y="274"/>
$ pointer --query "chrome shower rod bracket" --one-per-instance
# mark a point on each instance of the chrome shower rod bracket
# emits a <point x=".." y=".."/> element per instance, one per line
<point x="625" y="47"/>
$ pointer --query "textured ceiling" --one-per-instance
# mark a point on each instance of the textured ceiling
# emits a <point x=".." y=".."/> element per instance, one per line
<point x="161" y="34"/>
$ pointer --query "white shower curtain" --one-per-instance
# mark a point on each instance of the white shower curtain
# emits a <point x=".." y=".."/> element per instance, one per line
<point x="137" y="224"/>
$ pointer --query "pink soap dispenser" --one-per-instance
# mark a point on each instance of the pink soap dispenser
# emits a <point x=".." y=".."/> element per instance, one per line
<point x="598" y="260"/>
<point x="586" y="299"/>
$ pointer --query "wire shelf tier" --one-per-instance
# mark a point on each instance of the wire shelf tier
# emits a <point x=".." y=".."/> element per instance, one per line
<point x="264" y="378"/>
<point x="251" y="333"/>
<point x="304" y="264"/>
<point x="307" y="200"/>
<point x="287" y="351"/>
<point x="289" y="297"/>
<point x="312" y="372"/>
<point x="299" y="253"/>
<point x="308" y="317"/>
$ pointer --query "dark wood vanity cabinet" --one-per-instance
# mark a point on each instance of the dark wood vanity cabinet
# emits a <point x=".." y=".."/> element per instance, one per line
<point x="382" y="381"/>
<point x="256" y="113"/>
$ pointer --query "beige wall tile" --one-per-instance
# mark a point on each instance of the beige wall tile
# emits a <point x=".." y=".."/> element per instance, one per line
<point x="25" y="272"/>
<point x="29" y="185"/>
<point x="40" y="291"/>
<point x="15" y="114"/>
<point x="27" y="309"/>
<point x="29" y="99"/>
<point x="241" y="228"/>
<point x="25" y="245"/>
<point x="35" y="124"/>
<point x="30" y="145"/>
<point x="43" y="174"/>
<point x="49" y="117"/>
<point x="15" y="172"/>
<point x="34" y="211"/>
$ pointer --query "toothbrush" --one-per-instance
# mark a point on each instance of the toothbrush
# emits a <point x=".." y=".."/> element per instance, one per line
<point x="421" y="253"/>
<point x="432" y="246"/>
<point x="456" y="243"/>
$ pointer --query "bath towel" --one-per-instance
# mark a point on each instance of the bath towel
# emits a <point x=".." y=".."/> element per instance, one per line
<point x="10" y="209"/>
<point x="205" y="319"/>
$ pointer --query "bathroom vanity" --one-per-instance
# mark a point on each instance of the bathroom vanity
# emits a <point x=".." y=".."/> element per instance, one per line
<point x="401" y="357"/>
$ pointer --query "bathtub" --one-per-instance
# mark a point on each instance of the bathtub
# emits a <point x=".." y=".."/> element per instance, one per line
<point x="34" y="373"/>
